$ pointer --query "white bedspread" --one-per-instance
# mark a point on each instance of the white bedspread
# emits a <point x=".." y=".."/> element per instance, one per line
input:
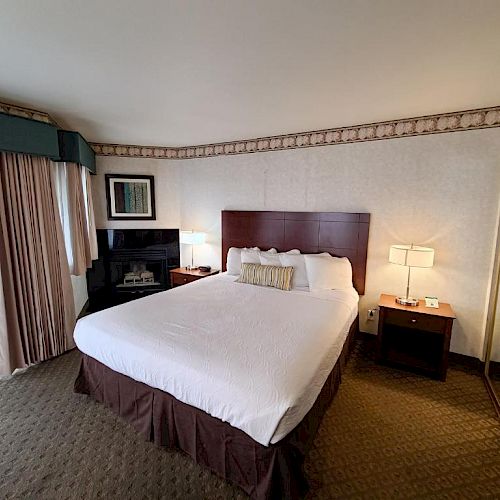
<point x="252" y="356"/>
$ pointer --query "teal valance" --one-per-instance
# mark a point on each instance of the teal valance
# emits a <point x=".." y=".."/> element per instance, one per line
<point x="32" y="137"/>
<point x="22" y="135"/>
<point x="74" y="148"/>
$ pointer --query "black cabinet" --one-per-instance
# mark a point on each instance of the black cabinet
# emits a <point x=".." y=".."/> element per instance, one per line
<point x="132" y="263"/>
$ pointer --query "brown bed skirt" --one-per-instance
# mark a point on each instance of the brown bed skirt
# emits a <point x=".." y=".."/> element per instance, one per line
<point x="264" y="472"/>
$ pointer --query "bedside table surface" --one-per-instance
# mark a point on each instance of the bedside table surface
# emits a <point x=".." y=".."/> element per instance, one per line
<point x="194" y="272"/>
<point x="444" y="309"/>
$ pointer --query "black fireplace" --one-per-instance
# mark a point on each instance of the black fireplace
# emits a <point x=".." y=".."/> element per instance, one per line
<point x="132" y="263"/>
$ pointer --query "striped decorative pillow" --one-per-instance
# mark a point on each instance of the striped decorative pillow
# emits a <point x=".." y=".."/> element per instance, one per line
<point x="256" y="274"/>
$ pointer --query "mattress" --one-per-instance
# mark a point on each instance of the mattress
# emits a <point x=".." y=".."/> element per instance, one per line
<point x="254" y="357"/>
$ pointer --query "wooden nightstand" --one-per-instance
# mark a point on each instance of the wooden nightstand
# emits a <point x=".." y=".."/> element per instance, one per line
<point x="415" y="337"/>
<point x="181" y="275"/>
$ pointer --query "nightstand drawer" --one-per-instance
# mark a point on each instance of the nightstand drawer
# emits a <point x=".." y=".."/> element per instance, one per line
<point x="418" y="321"/>
<point x="182" y="279"/>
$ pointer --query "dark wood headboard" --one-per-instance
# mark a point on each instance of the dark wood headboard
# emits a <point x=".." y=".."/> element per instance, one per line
<point x="339" y="233"/>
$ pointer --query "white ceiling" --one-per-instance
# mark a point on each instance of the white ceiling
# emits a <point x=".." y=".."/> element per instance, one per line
<point x="185" y="72"/>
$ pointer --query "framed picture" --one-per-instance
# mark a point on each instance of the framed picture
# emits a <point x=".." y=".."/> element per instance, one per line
<point x="130" y="197"/>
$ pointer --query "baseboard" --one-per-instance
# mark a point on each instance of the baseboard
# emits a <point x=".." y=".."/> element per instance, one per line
<point x="469" y="362"/>
<point x="366" y="336"/>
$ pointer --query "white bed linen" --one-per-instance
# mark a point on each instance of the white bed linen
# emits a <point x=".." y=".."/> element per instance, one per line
<point x="255" y="357"/>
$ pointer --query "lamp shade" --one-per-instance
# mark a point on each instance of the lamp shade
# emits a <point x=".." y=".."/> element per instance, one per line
<point x="192" y="238"/>
<point x="411" y="256"/>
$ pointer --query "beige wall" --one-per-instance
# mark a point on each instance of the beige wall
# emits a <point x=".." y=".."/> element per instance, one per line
<point x="438" y="190"/>
<point x="166" y="191"/>
<point x="80" y="295"/>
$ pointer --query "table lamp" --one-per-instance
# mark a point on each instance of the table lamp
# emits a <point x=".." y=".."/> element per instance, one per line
<point x="192" y="238"/>
<point x="410" y="256"/>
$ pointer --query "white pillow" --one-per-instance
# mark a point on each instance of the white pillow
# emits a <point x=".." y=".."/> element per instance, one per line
<point x="252" y="255"/>
<point x="233" y="261"/>
<point x="325" y="272"/>
<point x="270" y="259"/>
<point x="274" y="259"/>
<point x="297" y="261"/>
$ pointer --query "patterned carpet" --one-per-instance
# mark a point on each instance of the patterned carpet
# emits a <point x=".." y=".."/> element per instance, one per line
<point x="388" y="434"/>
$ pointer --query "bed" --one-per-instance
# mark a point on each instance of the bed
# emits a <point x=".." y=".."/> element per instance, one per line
<point x="235" y="375"/>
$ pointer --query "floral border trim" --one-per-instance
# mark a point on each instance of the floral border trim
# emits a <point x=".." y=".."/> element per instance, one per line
<point x="32" y="114"/>
<point x="424" y="125"/>
<point x="407" y="127"/>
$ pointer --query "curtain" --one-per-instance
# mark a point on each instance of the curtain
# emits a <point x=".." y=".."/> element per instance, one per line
<point x="38" y="297"/>
<point x="89" y="205"/>
<point x="73" y="208"/>
<point x="61" y="186"/>
<point x="4" y="341"/>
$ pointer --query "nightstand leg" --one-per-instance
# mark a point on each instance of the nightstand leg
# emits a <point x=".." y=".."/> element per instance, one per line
<point x="443" y="367"/>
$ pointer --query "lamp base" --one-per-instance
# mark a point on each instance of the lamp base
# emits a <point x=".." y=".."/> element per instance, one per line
<point x="407" y="301"/>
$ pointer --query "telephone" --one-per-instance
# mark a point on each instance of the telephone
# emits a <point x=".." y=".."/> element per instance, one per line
<point x="432" y="302"/>
<point x="205" y="269"/>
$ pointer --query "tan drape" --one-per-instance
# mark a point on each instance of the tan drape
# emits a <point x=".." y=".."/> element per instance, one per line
<point x="36" y="282"/>
<point x="78" y="220"/>
<point x="90" y="216"/>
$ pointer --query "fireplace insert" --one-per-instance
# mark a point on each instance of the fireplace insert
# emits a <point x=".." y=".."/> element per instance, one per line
<point x="132" y="263"/>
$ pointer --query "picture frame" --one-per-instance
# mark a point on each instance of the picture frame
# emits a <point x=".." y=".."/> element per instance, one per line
<point x="130" y="197"/>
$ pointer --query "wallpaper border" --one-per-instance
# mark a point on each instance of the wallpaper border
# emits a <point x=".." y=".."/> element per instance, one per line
<point x="23" y="112"/>
<point x="405" y="127"/>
